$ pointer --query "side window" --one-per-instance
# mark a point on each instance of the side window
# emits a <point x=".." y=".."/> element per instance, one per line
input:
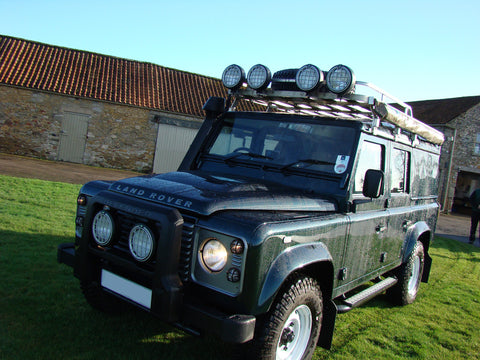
<point x="371" y="157"/>
<point x="400" y="170"/>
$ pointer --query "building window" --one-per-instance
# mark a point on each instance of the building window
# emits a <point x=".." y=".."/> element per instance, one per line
<point x="476" y="151"/>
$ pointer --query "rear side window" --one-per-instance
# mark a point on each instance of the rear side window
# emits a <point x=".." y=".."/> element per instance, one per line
<point x="400" y="171"/>
<point x="371" y="157"/>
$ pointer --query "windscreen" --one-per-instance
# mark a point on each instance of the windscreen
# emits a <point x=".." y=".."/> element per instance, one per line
<point x="288" y="145"/>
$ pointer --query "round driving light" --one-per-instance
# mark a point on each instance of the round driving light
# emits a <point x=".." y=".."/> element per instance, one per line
<point x="340" y="79"/>
<point x="233" y="77"/>
<point x="214" y="255"/>
<point x="141" y="242"/>
<point x="236" y="247"/>
<point x="233" y="275"/>
<point x="102" y="228"/>
<point x="259" y="77"/>
<point x="309" y="77"/>
<point x="81" y="200"/>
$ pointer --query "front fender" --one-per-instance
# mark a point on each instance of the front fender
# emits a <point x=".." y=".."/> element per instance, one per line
<point x="290" y="260"/>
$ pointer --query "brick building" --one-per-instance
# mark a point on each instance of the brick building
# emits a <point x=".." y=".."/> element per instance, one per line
<point x="77" y="106"/>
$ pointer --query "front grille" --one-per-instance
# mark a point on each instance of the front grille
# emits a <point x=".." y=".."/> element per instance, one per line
<point x="186" y="251"/>
<point x="126" y="221"/>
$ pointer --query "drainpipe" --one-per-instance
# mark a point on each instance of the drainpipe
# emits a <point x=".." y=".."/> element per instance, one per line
<point x="450" y="165"/>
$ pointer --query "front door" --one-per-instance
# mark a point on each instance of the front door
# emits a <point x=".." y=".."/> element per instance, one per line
<point x="364" y="253"/>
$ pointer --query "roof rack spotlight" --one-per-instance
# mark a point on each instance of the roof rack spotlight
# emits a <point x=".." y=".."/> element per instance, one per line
<point x="259" y="77"/>
<point x="340" y="79"/>
<point x="233" y="77"/>
<point x="309" y="77"/>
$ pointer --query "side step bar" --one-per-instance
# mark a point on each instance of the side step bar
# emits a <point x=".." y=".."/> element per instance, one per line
<point x="365" y="295"/>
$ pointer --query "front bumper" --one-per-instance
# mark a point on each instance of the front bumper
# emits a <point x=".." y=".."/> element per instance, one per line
<point x="193" y="317"/>
<point x="66" y="254"/>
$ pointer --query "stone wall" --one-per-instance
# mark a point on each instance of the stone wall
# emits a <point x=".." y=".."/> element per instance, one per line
<point x="467" y="126"/>
<point x="465" y="129"/>
<point x="118" y="136"/>
<point x="28" y="126"/>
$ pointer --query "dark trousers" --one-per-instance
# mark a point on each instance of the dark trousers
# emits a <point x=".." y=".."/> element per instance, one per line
<point x="474" y="223"/>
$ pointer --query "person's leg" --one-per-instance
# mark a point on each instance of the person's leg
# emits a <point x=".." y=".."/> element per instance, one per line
<point x="473" y="226"/>
<point x="478" y="220"/>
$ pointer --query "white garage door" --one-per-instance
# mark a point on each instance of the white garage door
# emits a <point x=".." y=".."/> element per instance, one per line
<point x="172" y="145"/>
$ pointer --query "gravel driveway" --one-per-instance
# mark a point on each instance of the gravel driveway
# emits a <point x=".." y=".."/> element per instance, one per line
<point x="21" y="166"/>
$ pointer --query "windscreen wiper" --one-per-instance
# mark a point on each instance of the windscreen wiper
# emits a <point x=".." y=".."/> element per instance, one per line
<point x="253" y="155"/>
<point x="309" y="162"/>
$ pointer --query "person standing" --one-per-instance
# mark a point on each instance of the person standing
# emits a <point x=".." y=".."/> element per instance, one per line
<point x="475" y="201"/>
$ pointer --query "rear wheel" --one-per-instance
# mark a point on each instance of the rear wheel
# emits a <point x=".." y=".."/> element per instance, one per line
<point x="409" y="276"/>
<point x="291" y="329"/>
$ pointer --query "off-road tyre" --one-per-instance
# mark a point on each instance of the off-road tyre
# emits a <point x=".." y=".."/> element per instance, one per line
<point x="283" y="333"/>
<point x="409" y="276"/>
<point x="99" y="299"/>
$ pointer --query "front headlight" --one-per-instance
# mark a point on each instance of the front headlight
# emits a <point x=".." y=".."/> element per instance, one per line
<point x="214" y="255"/>
<point x="219" y="262"/>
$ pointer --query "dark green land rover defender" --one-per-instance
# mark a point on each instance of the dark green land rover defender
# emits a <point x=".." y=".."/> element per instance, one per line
<point x="273" y="218"/>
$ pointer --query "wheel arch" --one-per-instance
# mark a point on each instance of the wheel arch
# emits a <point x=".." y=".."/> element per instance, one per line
<point x="311" y="260"/>
<point x="419" y="232"/>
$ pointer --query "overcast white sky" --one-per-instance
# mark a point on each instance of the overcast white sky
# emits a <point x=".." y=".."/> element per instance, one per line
<point x="414" y="49"/>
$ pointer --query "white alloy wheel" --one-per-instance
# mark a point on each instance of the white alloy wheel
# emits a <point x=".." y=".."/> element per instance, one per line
<point x="414" y="277"/>
<point x="295" y="334"/>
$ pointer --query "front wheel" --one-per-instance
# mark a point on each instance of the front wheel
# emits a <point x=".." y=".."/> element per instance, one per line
<point x="409" y="276"/>
<point x="291" y="329"/>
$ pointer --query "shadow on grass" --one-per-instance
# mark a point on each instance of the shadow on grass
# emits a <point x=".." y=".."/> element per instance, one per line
<point x="44" y="316"/>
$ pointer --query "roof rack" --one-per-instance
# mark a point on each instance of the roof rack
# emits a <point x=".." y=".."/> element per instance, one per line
<point x="367" y="109"/>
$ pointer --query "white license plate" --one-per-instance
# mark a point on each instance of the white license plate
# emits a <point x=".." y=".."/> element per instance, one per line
<point x="132" y="291"/>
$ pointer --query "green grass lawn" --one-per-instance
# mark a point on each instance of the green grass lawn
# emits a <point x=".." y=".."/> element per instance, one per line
<point x="43" y="314"/>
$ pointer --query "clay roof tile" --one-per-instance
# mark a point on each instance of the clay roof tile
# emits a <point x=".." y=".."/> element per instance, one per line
<point x="84" y="74"/>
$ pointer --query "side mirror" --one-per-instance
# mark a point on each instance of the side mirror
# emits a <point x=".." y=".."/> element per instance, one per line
<point x="373" y="184"/>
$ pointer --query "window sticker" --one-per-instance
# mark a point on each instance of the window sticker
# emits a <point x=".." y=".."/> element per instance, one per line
<point x="341" y="164"/>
